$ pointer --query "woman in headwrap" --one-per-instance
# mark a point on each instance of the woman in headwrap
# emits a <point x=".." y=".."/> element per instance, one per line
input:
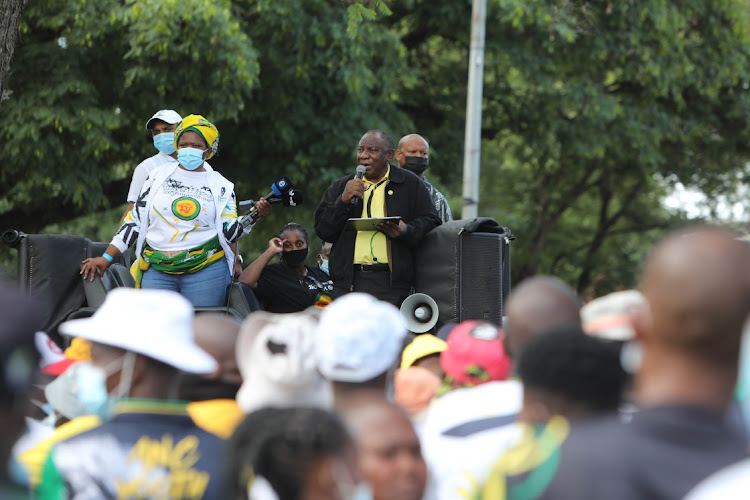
<point x="183" y="223"/>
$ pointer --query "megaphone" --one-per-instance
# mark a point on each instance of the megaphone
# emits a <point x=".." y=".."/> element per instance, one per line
<point x="420" y="311"/>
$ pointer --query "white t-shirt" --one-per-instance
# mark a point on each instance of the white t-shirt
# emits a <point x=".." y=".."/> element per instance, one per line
<point x="183" y="212"/>
<point x="141" y="173"/>
<point x="464" y="433"/>
<point x="145" y="168"/>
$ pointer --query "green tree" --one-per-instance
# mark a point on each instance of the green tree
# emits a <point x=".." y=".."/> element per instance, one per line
<point x="290" y="85"/>
<point x="591" y="111"/>
<point x="606" y="98"/>
<point x="88" y="74"/>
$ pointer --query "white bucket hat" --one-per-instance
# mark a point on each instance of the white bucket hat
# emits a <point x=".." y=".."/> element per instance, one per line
<point x="166" y="115"/>
<point x="275" y="356"/>
<point x="359" y="337"/>
<point x="155" y="323"/>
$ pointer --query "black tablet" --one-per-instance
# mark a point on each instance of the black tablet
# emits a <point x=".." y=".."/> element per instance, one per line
<point x="369" y="224"/>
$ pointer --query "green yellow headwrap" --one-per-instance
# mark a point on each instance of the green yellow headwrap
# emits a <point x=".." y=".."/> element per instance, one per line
<point x="202" y="127"/>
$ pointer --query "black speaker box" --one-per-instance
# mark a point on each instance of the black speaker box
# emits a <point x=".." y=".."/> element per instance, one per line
<point x="464" y="265"/>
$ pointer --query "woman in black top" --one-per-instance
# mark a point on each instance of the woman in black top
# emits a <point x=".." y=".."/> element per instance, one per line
<point x="290" y="285"/>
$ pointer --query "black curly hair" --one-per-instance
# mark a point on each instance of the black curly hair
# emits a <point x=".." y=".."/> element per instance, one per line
<point x="565" y="361"/>
<point x="282" y="445"/>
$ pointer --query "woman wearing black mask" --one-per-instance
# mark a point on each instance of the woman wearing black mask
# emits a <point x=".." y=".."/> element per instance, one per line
<point x="290" y="285"/>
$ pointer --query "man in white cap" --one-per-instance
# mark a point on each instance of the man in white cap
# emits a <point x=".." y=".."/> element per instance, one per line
<point x="149" y="447"/>
<point x="358" y="339"/>
<point x="161" y="126"/>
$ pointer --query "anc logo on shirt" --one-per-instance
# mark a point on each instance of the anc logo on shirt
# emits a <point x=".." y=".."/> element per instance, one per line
<point x="186" y="208"/>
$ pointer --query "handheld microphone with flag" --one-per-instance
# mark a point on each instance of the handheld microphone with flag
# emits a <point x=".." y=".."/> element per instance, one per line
<point x="282" y="191"/>
<point x="359" y="175"/>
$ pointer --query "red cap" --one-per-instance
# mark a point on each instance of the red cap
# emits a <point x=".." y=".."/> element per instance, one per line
<point x="475" y="353"/>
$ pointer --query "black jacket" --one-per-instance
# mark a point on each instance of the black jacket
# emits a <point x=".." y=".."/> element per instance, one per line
<point x="410" y="200"/>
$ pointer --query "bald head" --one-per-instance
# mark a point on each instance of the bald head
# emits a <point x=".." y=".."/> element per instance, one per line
<point x="217" y="335"/>
<point x="697" y="285"/>
<point x="413" y="140"/>
<point x="534" y="306"/>
<point x="413" y="146"/>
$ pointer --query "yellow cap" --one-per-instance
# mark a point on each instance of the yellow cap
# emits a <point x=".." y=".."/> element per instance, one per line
<point x="79" y="350"/>
<point x="422" y="345"/>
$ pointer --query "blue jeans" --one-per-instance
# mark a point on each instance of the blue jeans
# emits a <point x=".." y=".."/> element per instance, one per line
<point x="207" y="287"/>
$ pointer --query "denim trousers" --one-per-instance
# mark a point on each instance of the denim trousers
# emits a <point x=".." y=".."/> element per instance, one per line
<point x="207" y="287"/>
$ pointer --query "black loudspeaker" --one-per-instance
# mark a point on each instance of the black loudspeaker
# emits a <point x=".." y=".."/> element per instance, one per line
<point x="464" y="265"/>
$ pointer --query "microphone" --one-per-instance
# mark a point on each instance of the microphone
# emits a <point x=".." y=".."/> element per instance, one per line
<point x="279" y="189"/>
<point x="359" y="175"/>
<point x="281" y="192"/>
<point x="293" y="198"/>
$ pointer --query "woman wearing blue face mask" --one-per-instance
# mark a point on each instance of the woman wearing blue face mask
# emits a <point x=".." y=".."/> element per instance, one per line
<point x="290" y="285"/>
<point x="183" y="223"/>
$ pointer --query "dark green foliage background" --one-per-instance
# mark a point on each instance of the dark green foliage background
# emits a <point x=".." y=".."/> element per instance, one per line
<point x="592" y="110"/>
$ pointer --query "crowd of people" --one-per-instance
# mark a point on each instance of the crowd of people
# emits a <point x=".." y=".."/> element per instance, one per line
<point x="326" y="394"/>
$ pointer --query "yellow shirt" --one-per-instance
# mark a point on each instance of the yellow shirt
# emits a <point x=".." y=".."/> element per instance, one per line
<point x="371" y="247"/>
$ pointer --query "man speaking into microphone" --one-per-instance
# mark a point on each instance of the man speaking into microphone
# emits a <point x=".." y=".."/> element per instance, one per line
<point x="379" y="262"/>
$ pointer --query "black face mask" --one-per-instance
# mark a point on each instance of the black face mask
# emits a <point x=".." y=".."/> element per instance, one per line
<point x="416" y="164"/>
<point x="294" y="257"/>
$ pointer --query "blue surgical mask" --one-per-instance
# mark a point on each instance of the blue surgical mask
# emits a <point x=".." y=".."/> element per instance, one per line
<point x="164" y="142"/>
<point x="81" y="390"/>
<point x="324" y="266"/>
<point x="190" y="158"/>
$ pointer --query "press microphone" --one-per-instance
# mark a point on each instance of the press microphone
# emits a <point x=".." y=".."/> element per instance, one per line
<point x="293" y="198"/>
<point x="281" y="192"/>
<point x="279" y="189"/>
<point x="359" y="175"/>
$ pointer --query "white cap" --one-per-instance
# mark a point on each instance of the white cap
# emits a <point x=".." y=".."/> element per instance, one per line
<point x="358" y="338"/>
<point x="610" y="316"/>
<point x="155" y="323"/>
<point x="275" y="356"/>
<point x="166" y="115"/>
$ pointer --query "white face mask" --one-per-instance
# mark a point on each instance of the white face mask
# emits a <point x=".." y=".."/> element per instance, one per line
<point x="82" y="389"/>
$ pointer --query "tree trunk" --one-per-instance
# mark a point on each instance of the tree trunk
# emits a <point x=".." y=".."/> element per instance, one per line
<point x="10" y="17"/>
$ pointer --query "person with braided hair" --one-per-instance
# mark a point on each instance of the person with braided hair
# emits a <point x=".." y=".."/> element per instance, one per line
<point x="291" y="454"/>
<point x="290" y="285"/>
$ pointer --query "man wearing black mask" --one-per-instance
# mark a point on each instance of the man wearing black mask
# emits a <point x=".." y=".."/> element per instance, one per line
<point x="413" y="154"/>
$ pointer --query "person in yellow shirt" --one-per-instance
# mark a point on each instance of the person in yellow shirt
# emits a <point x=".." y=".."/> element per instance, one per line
<point x="379" y="262"/>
